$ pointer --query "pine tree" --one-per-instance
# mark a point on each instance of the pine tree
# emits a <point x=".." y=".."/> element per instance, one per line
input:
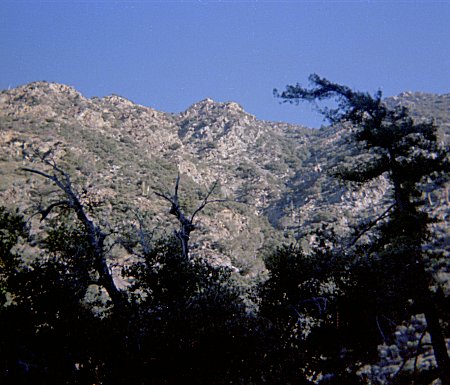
<point x="407" y="153"/>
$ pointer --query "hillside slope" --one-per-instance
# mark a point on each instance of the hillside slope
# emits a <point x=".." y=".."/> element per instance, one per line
<point x="274" y="177"/>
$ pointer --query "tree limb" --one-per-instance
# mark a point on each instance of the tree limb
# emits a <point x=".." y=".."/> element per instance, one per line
<point x="186" y="224"/>
<point x="95" y="235"/>
<point x="371" y="224"/>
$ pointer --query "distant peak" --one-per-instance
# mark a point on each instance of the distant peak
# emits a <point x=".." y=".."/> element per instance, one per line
<point x="234" y="106"/>
<point x="55" y="87"/>
<point x="207" y="102"/>
<point x="48" y="87"/>
<point x="117" y="99"/>
<point x="210" y="104"/>
<point x="44" y="92"/>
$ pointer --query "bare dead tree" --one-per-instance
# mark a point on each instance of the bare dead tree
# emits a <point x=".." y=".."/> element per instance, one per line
<point x="95" y="236"/>
<point x="186" y="223"/>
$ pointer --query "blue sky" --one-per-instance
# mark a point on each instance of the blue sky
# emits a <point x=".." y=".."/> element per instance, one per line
<point x="170" y="54"/>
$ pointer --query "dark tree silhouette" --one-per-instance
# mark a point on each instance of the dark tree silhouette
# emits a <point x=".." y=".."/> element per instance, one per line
<point x="406" y="152"/>
<point x="94" y="234"/>
<point x="187" y="224"/>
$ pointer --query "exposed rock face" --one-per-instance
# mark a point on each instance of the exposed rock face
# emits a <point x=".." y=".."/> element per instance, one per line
<point x="274" y="175"/>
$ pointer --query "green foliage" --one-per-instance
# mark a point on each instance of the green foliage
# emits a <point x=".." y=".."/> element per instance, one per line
<point x="182" y="314"/>
<point x="302" y="299"/>
<point x="191" y="316"/>
<point x="12" y="228"/>
<point x="45" y="329"/>
<point x="390" y="272"/>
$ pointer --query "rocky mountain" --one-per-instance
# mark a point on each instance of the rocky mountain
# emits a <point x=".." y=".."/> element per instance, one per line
<point x="273" y="179"/>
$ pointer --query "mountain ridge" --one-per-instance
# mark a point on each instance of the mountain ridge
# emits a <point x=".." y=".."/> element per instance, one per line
<point x="274" y="175"/>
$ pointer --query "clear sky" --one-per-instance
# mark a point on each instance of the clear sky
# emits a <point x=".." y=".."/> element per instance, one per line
<point x="170" y="54"/>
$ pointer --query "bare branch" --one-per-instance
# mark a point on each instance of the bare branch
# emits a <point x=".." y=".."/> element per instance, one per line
<point x="407" y="357"/>
<point x="186" y="224"/>
<point x="95" y="235"/>
<point x="380" y="329"/>
<point x="419" y="344"/>
<point x="370" y="225"/>
<point x="165" y="197"/>
<point x="205" y="201"/>
<point x="175" y="197"/>
<point x="44" y="213"/>
<point x="45" y="175"/>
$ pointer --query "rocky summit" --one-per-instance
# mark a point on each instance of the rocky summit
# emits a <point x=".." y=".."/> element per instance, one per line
<point x="273" y="180"/>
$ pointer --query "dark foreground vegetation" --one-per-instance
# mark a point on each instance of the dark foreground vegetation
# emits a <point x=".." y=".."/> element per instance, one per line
<point x="320" y="316"/>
